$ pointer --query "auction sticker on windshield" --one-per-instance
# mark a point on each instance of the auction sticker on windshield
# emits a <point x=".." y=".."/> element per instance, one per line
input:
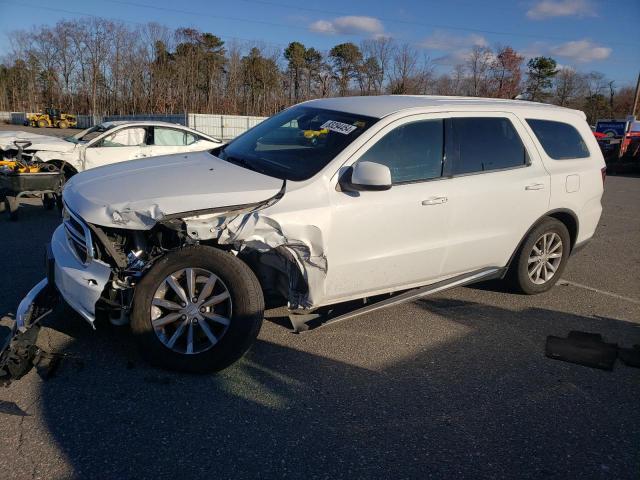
<point x="334" y="126"/>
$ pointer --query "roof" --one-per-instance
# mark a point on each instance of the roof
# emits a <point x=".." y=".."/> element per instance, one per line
<point x="157" y="123"/>
<point x="383" y="105"/>
<point x="117" y="123"/>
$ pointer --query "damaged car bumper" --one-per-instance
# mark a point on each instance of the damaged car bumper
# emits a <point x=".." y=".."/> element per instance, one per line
<point x="79" y="278"/>
<point x="79" y="281"/>
<point x="18" y="336"/>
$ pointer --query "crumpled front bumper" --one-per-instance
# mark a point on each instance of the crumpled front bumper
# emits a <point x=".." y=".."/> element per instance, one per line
<point x="18" y="336"/>
<point x="79" y="284"/>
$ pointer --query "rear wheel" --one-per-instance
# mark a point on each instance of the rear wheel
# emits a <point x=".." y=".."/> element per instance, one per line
<point x="198" y="310"/>
<point x="541" y="258"/>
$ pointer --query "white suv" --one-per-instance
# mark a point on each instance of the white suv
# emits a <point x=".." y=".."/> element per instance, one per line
<point x="380" y="199"/>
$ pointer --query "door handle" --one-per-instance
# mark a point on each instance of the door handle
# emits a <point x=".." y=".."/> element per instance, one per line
<point x="535" y="186"/>
<point x="434" y="201"/>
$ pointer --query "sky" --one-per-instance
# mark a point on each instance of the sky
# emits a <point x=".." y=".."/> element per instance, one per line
<point x="601" y="35"/>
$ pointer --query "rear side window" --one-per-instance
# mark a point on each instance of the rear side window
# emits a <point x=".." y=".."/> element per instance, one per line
<point x="168" y="137"/>
<point x="484" y="144"/>
<point x="560" y="141"/>
<point x="413" y="151"/>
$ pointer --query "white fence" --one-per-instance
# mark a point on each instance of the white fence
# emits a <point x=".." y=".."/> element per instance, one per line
<point x="224" y="127"/>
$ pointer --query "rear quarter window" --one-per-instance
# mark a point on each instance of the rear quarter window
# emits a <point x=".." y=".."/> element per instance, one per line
<point x="560" y="141"/>
<point x="484" y="144"/>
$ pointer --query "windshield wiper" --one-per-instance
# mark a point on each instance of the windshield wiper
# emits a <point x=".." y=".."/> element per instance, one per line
<point x="243" y="162"/>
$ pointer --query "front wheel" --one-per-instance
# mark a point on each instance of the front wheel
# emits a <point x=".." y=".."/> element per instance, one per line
<point x="541" y="258"/>
<point x="198" y="309"/>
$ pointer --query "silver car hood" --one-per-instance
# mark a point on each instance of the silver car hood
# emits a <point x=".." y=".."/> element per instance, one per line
<point x="38" y="142"/>
<point x="137" y="194"/>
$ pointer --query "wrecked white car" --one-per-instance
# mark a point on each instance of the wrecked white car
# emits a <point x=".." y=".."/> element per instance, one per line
<point x="333" y="208"/>
<point x="107" y="143"/>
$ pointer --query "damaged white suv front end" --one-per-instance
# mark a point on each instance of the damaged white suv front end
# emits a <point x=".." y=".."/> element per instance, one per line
<point x="358" y="199"/>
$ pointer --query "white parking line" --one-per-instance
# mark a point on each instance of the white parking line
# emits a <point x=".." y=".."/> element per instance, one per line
<point x="597" y="290"/>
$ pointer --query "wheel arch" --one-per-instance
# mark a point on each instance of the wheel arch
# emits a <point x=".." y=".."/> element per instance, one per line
<point x="69" y="170"/>
<point x="566" y="216"/>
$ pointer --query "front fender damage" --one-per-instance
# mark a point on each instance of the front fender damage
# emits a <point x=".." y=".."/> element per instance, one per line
<point x="252" y="229"/>
<point x="302" y="245"/>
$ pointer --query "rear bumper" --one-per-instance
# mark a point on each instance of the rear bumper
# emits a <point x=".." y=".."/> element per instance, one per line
<point x="80" y="285"/>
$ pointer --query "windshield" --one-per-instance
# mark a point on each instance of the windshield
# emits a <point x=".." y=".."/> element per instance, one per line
<point x="89" y="134"/>
<point x="296" y="143"/>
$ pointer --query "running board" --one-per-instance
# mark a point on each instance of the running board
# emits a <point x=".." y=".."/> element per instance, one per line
<point x="305" y="322"/>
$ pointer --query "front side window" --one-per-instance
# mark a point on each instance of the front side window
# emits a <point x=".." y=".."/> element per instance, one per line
<point x="485" y="143"/>
<point x="296" y="143"/>
<point x="560" y="141"/>
<point x="169" y="137"/>
<point x="90" y="133"/>
<point x="127" y="137"/>
<point x="413" y="152"/>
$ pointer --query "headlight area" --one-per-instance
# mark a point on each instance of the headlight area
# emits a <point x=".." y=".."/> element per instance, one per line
<point x="130" y="254"/>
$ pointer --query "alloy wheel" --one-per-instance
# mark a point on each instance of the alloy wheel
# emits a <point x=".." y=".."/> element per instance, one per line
<point x="545" y="258"/>
<point x="191" y="310"/>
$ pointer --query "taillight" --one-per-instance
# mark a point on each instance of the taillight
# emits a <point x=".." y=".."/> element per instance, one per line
<point x="603" y="170"/>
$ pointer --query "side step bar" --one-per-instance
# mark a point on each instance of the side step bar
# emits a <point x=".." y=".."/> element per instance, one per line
<point x="305" y="322"/>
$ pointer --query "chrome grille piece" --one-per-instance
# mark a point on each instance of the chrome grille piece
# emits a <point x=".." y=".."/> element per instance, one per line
<point x="78" y="234"/>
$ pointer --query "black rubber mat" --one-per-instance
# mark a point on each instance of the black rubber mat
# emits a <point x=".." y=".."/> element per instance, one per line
<point x="630" y="356"/>
<point x="583" y="348"/>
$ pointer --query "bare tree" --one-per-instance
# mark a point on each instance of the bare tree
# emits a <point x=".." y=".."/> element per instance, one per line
<point x="381" y="49"/>
<point x="478" y="65"/>
<point x="405" y="61"/>
<point x="568" y="86"/>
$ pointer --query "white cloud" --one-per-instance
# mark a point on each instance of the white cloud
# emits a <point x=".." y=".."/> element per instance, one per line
<point x="350" y="25"/>
<point x="448" y="42"/>
<point x="457" y="47"/>
<point x="561" y="8"/>
<point x="578" y="51"/>
<point x="581" y="51"/>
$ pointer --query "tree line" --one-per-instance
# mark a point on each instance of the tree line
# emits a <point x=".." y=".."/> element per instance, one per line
<point x="98" y="66"/>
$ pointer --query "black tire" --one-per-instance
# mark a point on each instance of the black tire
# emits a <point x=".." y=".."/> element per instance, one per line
<point x="11" y="205"/>
<point x="63" y="124"/>
<point x="48" y="201"/>
<point x="246" y="318"/>
<point x="59" y="203"/>
<point x="518" y="278"/>
<point x="42" y="124"/>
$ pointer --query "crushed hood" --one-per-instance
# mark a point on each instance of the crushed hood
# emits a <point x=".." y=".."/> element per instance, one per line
<point x="137" y="194"/>
<point x="38" y="142"/>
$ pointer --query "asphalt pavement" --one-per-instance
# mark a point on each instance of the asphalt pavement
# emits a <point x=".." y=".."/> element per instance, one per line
<point x="454" y="386"/>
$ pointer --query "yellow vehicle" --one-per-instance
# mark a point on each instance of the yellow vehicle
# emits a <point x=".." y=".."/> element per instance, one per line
<point x="20" y="178"/>
<point x="18" y="167"/>
<point x="52" y="117"/>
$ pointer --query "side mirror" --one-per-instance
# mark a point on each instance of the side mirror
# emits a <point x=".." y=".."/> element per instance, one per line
<point x="370" y="176"/>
